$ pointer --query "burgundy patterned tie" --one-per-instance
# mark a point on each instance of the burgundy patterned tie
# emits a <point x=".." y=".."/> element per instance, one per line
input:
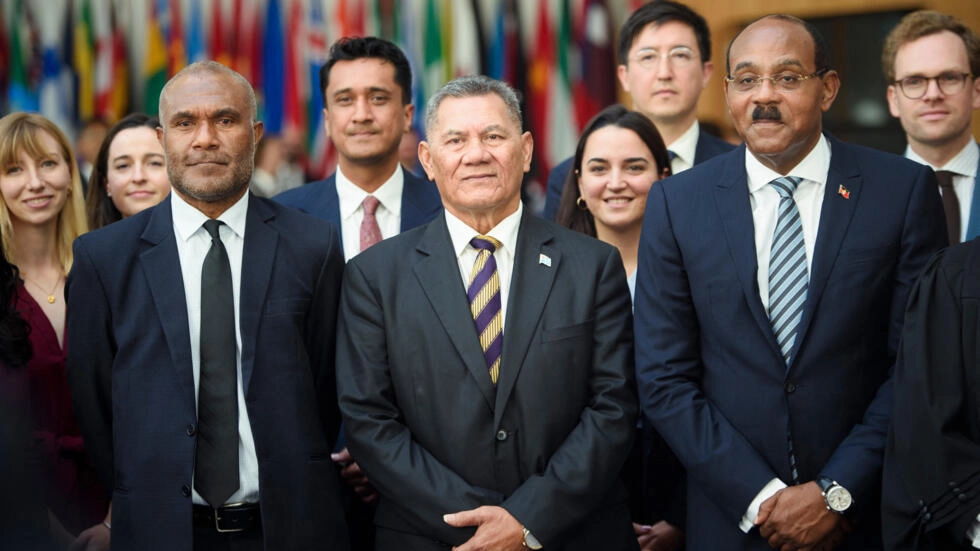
<point x="485" y="305"/>
<point x="370" y="232"/>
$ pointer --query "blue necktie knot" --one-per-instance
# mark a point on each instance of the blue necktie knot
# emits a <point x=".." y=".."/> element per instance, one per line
<point x="786" y="185"/>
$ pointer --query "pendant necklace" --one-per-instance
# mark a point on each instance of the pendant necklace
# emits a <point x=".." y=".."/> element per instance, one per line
<point x="51" y="297"/>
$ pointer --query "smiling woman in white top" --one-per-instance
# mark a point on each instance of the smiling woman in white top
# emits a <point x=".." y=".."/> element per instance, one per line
<point x="619" y="156"/>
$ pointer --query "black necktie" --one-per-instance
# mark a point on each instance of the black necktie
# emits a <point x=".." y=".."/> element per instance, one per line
<point x="216" y="462"/>
<point x="951" y="204"/>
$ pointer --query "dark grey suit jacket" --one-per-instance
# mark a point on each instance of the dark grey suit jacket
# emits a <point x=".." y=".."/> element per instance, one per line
<point x="432" y="432"/>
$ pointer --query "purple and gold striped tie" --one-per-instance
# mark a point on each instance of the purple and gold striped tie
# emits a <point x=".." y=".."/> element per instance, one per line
<point x="484" y="295"/>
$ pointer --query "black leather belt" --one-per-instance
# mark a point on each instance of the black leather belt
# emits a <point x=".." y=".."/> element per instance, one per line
<point x="235" y="517"/>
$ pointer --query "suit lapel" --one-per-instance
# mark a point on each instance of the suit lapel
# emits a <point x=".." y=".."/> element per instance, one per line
<point x="258" y="255"/>
<point x="437" y="271"/>
<point x="835" y="217"/>
<point x="328" y="202"/>
<point x="167" y="289"/>
<point x="529" y="288"/>
<point x="735" y="213"/>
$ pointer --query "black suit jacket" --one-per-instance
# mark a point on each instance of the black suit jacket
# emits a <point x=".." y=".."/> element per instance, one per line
<point x="711" y="376"/>
<point x="432" y="432"/>
<point x="707" y="147"/>
<point x="931" y="493"/>
<point x="129" y="366"/>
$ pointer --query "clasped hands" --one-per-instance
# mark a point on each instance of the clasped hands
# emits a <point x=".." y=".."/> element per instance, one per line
<point x="797" y="519"/>
<point x="496" y="529"/>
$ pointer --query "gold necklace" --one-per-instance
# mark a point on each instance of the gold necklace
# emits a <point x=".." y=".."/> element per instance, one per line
<point x="51" y="297"/>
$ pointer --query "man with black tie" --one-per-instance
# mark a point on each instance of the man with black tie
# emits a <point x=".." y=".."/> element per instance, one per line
<point x="664" y="65"/>
<point x="932" y="64"/>
<point x="484" y="359"/>
<point x="770" y="293"/>
<point x="201" y="346"/>
<point x="367" y="108"/>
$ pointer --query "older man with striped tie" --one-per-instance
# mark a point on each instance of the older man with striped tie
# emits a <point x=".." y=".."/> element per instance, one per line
<point x="486" y="375"/>
<point x="770" y="292"/>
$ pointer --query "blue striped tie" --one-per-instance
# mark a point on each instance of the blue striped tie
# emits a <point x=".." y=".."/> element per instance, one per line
<point x="788" y="276"/>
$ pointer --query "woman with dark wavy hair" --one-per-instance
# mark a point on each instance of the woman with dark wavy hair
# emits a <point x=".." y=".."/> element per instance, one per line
<point x="129" y="173"/>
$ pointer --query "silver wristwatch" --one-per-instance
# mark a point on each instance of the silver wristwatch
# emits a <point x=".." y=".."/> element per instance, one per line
<point x="837" y="498"/>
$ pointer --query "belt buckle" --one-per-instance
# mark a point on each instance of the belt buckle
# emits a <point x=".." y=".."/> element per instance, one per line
<point x="217" y="518"/>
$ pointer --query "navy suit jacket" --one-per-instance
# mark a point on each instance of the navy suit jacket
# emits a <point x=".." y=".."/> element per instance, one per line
<point x="707" y="147"/>
<point x="710" y="374"/>
<point x="131" y="374"/>
<point x="420" y="200"/>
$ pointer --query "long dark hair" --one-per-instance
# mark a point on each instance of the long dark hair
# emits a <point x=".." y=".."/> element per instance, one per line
<point x="99" y="207"/>
<point x="15" y="346"/>
<point x="569" y="213"/>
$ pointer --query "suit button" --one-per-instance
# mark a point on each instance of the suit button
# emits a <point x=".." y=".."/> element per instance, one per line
<point x="790" y="388"/>
<point x="927" y="517"/>
<point x="186" y="490"/>
<point x="501" y="435"/>
<point x="191" y="431"/>
<point x="963" y="497"/>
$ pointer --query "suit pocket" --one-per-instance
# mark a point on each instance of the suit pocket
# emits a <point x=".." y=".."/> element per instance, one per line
<point x="569" y="331"/>
<point x="285" y="306"/>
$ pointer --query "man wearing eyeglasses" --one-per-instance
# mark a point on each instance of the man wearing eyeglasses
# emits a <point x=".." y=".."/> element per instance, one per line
<point x="664" y="65"/>
<point x="932" y="62"/>
<point x="770" y="289"/>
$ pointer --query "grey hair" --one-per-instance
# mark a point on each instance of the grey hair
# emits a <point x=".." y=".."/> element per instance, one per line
<point x="471" y="86"/>
<point x="210" y="68"/>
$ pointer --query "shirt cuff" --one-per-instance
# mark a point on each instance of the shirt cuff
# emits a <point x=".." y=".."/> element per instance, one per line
<point x="973" y="534"/>
<point x="769" y="490"/>
<point x="532" y="541"/>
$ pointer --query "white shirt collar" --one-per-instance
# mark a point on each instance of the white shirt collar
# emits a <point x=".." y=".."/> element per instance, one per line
<point x="964" y="163"/>
<point x="389" y="194"/>
<point x="188" y="220"/>
<point x="686" y="145"/>
<point x="814" y="167"/>
<point x="505" y="231"/>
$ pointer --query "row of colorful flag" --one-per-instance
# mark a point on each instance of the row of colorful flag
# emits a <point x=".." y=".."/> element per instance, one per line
<point x="76" y="60"/>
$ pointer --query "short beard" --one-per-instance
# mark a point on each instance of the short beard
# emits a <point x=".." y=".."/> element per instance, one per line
<point x="239" y="180"/>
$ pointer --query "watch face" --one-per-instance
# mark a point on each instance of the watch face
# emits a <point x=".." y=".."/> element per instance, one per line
<point x="838" y="499"/>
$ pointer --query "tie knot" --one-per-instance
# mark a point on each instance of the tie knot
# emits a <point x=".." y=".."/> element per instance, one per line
<point x="211" y="226"/>
<point x="370" y="204"/>
<point x="945" y="178"/>
<point x="671" y="155"/>
<point x="786" y="185"/>
<point x="485" y="242"/>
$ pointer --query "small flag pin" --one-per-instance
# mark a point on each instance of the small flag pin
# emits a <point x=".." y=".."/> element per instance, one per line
<point x="544" y="259"/>
<point x="844" y="192"/>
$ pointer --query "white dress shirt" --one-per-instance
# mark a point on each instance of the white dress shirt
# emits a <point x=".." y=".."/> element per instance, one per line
<point x="685" y="148"/>
<point x="964" y="169"/>
<point x="506" y="233"/>
<point x="193" y="243"/>
<point x="764" y="200"/>
<point x="388" y="215"/>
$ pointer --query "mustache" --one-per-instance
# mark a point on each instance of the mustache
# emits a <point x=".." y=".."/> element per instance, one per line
<point x="766" y="113"/>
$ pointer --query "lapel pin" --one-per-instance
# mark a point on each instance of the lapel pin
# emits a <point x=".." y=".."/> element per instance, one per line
<point x="844" y="192"/>
<point x="544" y="259"/>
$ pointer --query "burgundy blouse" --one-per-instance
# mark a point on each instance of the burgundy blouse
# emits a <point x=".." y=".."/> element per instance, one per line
<point x="73" y="493"/>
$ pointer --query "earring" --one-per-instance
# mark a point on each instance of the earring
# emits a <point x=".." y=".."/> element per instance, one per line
<point x="580" y="202"/>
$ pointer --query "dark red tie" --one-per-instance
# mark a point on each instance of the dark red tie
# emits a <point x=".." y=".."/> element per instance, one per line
<point x="951" y="204"/>
<point x="370" y="232"/>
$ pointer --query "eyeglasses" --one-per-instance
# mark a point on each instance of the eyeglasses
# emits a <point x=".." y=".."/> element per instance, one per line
<point x="786" y="81"/>
<point x="677" y="57"/>
<point x="915" y="87"/>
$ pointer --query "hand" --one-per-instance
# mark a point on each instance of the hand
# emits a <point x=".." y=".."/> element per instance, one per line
<point x="94" y="538"/>
<point x="354" y="476"/>
<point x="496" y="529"/>
<point x="662" y="536"/>
<point x="797" y="518"/>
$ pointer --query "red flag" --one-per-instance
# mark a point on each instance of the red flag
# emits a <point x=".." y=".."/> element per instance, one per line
<point x="218" y="46"/>
<point x="176" y="49"/>
<point x="292" y="100"/>
<point x="539" y="87"/>
<point x="594" y="80"/>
